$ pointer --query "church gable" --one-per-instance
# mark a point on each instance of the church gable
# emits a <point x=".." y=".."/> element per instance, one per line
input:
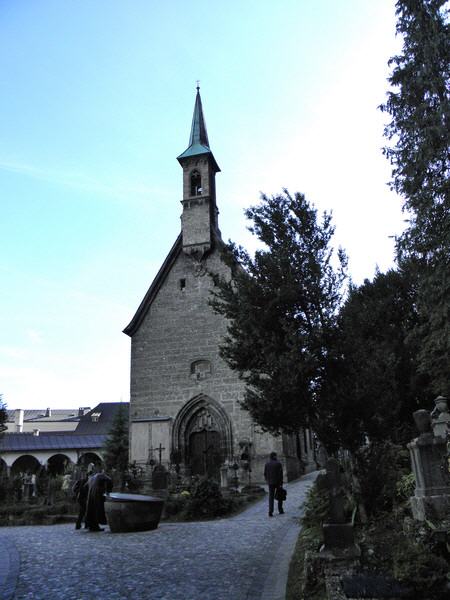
<point x="182" y="283"/>
<point x="135" y="322"/>
<point x="178" y="304"/>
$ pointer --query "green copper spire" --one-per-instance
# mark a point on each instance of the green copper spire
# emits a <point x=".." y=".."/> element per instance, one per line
<point x="198" y="140"/>
<point x="199" y="135"/>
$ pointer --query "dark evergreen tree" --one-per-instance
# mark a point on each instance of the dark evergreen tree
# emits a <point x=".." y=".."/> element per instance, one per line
<point x="116" y="445"/>
<point x="3" y="415"/>
<point x="433" y="330"/>
<point x="419" y="105"/>
<point x="373" y="385"/>
<point x="281" y="308"/>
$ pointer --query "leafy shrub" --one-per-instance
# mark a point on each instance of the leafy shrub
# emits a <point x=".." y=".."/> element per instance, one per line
<point x="206" y="501"/>
<point x="416" y="558"/>
<point x="174" y="505"/>
<point x="6" y="490"/>
<point x="315" y="509"/>
<point x="305" y="579"/>
<point x="379" y="466"/>
<point x="405" y="487"/>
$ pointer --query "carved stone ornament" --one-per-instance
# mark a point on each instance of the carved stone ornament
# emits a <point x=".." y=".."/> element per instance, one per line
<point x="441" y="407"/>
<point x="199" y="269"/>
<point x="204" y="420"/>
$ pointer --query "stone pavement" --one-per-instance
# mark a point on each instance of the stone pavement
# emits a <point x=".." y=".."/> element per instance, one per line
<point x="245" y="557"/>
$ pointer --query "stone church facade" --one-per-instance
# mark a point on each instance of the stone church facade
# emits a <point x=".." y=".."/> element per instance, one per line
<point x="184" y="403"/>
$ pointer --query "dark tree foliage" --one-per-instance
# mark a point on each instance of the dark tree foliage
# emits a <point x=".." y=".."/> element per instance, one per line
<point x="3" y="415"/>
<point x="373" y="385"/>
<point x="281" y="308"/>
<point x="420" y="154"/>
<point x="116" y="445"/>
<point x="433" y="330"/>
<point x="419" y="105"/>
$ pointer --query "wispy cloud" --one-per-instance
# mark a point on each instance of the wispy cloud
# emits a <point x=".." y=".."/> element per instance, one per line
<point x="12" y="352"/>
<point x="119" y="190"/>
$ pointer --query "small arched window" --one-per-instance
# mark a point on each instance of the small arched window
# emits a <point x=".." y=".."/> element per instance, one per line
<point x="196" y="183"/>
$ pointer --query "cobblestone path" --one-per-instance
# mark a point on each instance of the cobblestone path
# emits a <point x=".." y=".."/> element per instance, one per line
<point x="227" y="559"/>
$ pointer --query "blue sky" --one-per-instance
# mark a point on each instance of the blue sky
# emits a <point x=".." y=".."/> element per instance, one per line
<point x="96" y="101"/>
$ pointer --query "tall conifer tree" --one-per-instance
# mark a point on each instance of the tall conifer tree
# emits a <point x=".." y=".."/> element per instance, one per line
<point x="281" y="307"/>
<point x="419" y="105"/>
<point x="3" y="415"/>
<point x="116" y="445"/>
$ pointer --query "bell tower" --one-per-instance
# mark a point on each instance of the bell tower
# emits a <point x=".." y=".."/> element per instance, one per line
<point x="199" y="220"/>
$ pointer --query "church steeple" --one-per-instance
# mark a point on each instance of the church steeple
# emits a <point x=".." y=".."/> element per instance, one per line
<point x="198" y="140"/>
<point x="199" y="218"/>
<point x="199" y="135"/>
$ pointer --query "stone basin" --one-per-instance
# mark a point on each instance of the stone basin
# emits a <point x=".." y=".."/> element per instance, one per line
<point x="132" y="512"/>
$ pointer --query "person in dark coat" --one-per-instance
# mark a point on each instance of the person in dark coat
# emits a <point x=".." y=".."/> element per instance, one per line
<point x="273" y="474"/>
<point x="98" y="485"/>
<point x="80" y="492"/>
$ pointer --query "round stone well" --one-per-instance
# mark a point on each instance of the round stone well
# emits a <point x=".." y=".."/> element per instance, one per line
<point x="132" y="512"/>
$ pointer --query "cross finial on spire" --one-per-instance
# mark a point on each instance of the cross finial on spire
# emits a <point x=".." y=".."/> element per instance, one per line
<point x="198" y="140"/>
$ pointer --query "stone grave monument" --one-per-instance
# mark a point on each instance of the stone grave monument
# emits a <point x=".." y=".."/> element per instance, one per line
<point x="430" y="464"/>
<point x="339" y="555"/>
<point x="338" y="534"/>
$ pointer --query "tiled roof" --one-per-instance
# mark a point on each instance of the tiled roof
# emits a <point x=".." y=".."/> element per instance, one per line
<point x="20" y="442"/>
<point x="100" y="419"/>
<point x="39" y="415"/>
<point x="90" y="432"/>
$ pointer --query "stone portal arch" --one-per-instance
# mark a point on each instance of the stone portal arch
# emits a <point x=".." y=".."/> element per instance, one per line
<point x="58" y="463"/>
<point x="88" y="458"/>
<point x="25" y="464"/>
<point x="202" y="436"/>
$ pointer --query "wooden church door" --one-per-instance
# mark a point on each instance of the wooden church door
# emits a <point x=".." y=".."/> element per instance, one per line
<point x="205" y="453"/>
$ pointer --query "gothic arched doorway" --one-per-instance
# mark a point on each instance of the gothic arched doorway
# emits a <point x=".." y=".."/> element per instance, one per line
<point x="205" y="453"/>
<point x="202" y="436"/>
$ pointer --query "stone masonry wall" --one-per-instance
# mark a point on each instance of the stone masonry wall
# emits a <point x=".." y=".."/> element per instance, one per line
<point x="179" y="329"/>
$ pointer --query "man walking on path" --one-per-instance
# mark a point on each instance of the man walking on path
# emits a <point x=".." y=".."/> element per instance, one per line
<point x="273" y="474"/>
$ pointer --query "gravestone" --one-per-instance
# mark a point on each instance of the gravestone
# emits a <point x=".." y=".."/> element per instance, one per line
<point x="429" y="462"/>
<point x="224" y="477"/>
<point x="160" y="478"/>
<point x="339" y="555"/>
<point x="338" y="535"/>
